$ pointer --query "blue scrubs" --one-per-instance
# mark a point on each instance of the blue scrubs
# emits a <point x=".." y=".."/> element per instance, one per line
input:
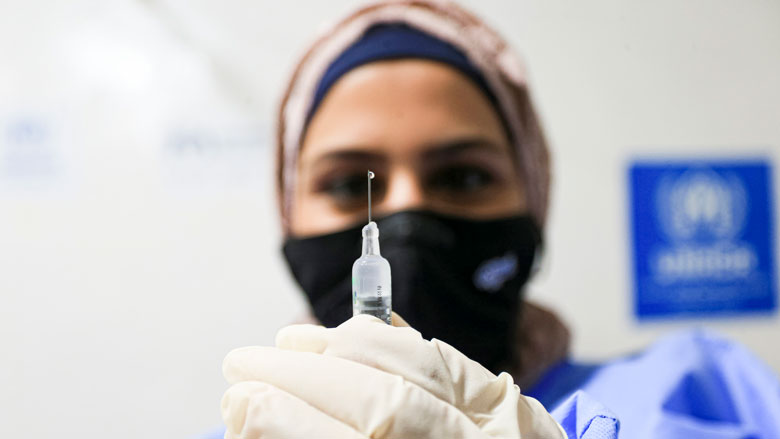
<point x="692" y="385"/>
<point x="689" y="385"/>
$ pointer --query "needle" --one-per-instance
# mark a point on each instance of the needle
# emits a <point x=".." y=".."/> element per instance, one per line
<point x="370" y="177"/>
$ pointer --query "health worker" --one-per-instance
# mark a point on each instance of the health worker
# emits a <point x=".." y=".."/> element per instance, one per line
<point x="436" y="104"/>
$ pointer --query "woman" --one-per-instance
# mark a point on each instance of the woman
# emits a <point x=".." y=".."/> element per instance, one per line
<point x="434" y="102"/>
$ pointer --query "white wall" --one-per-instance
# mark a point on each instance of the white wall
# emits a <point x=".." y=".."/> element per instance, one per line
<point x="138" y="239"/>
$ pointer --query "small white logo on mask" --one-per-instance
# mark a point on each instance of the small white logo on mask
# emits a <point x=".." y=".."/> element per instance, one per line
<point x="492" y="274"/>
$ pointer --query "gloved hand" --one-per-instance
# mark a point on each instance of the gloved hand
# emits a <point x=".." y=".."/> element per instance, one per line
<point x="368" y="379"/>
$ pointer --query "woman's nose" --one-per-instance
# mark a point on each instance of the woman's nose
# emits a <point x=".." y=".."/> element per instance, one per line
<point x="404" y="191"/>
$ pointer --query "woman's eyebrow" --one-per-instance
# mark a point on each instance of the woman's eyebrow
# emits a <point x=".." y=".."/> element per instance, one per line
<point x="439" y="150"/>
<point x="356" y="154"/>
<point x="432" y="151"/>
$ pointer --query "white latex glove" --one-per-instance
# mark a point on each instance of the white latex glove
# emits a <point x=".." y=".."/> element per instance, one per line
<point x="368" y="379"/>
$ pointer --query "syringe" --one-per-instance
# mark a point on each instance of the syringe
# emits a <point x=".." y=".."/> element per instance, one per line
<point x="371" y="292"/>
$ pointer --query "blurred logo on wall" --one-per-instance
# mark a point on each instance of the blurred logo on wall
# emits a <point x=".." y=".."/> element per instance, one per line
<point x="215" y="160"/>
<point x="31" y="155"/>
<point x="703" y="237"/>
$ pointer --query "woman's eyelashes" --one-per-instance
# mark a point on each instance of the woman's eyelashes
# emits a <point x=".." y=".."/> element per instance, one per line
<point x="460" y="180"/>
<point x="350" y="190"/>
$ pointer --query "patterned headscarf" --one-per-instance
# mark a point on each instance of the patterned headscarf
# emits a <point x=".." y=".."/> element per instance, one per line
<point x="486" y="51"/>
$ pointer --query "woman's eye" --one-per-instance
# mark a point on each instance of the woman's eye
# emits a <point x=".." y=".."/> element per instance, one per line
<point x="350" y="188"/>
<point x="461" y="179"/>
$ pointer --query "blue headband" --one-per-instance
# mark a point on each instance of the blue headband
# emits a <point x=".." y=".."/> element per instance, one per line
<point x="395" y="41"/>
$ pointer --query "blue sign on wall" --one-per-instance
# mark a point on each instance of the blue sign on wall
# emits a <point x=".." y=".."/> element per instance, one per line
<point x="703" y="237"/>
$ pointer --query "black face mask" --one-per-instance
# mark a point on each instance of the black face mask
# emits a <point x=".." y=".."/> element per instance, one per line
<point x="454" y="279"/>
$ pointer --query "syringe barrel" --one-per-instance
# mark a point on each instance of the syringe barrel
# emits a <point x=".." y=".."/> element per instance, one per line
<point x="371" y="288"/>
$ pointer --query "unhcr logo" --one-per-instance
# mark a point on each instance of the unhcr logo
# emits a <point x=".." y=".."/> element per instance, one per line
<point x="702" y="237"/>
<point x="702" y="214"/>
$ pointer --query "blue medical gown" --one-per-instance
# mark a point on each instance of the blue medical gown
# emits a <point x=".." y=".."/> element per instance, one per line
<point x="690" y="385"/>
